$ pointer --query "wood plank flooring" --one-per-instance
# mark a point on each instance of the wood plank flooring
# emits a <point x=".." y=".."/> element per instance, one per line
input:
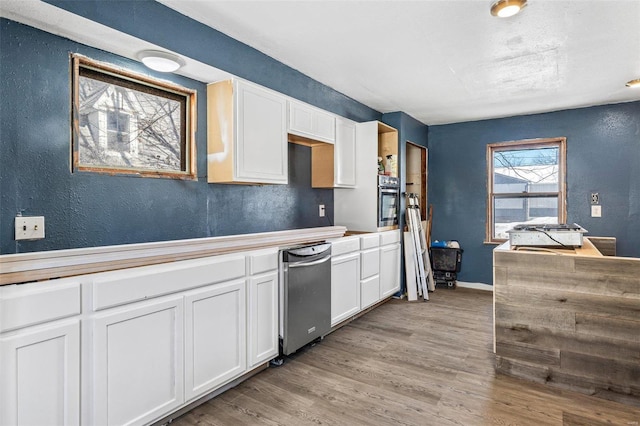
<point x="405" y="364"/>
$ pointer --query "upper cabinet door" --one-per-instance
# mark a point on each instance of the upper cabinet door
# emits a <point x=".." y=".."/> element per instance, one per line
<point x="262" y="136"/>
<point x="246" y="134"/>
<point x="311" y="122"/>
<point x="345" y="154"/>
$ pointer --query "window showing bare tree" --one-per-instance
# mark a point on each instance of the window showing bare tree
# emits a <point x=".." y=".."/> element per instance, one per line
<point x="127" y="123"/>
<point x="526" y="184"/>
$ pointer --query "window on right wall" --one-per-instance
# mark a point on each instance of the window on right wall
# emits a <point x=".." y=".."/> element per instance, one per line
<point x="525" y="184"/>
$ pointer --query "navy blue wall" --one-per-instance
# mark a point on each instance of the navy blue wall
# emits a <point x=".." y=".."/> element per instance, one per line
<point x="603" y="155"/>
<point x="86" y="209"/>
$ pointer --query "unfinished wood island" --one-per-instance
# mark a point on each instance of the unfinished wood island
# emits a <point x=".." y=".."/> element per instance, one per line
<point x="569" y="318"/>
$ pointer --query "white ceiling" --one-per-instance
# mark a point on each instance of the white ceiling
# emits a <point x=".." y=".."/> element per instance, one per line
<point x="440" y="61"/>
<point x="444" y="61"/>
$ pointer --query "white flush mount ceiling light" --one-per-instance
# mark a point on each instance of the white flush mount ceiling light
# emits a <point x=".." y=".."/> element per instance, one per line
<point x="161" y="61"/>
<point x="506" y="8"/>
<point x="635" y="84"/>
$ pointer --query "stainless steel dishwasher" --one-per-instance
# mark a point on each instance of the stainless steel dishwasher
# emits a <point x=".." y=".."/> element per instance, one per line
<point x="305" y="296"/>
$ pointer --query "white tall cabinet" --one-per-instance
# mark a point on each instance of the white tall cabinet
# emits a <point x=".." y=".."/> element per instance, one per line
<point x="373" y="139"/>
<point x="345" y="158"/>
<point x="246" y="134"/>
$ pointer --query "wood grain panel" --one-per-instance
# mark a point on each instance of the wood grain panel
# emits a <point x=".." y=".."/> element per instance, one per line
<point x="585" y="309"/>
<point x="605" y="245"/>
<point x="581" y="343"/>
<point x="529" y="260"/>
<point x="559" y="298"/>
<point x="609" y="326"/>
<point x="616" y="374"/>
<point x="616" y="266"/>
<point x="533" y="318"/>
<point x="529" y="353"/>
<point x="581" y="281"/>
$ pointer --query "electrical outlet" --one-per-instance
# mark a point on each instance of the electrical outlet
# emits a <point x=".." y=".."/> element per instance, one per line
<point x="595" y="198"/>
<point x="321" y="210"/>
<point x="29" y="227"/>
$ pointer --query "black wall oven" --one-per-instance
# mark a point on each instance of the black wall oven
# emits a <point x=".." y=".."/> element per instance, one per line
<point x="388" y="190"/>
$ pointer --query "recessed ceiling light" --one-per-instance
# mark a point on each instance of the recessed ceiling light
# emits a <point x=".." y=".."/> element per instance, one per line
<point x="161" y="61"/>
<point x="634" y="83"/>
<point x="506" y="8"/>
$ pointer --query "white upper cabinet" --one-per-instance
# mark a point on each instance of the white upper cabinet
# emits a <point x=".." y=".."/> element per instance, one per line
<point x="345" y="154"/>
<point x="246" y="134"/>
<point x="311" y="122"/>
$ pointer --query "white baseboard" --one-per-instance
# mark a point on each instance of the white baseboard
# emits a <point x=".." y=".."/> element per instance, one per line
<point x="477" y="286"/>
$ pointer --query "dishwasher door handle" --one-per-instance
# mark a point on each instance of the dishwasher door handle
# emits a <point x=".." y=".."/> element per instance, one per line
<point x="303" y="264"/>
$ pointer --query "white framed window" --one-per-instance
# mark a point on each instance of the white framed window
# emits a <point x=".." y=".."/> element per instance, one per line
<point x="526" y="183"/>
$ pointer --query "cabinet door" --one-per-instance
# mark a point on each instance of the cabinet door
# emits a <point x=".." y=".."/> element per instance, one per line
<point x="215" y="339"/>
<point x="138" y="362"/>
<point x="370" y="263"/>
<point x="40" y="372"/>
<point x="389" y="270"/>
<point x="261" y="142"/>
<point x="310" y="122"/>
<point x="369" y="291"/>
<point x="345" y="154"/>
<point x="345" y="287"/>
<point x="263" y="318"/>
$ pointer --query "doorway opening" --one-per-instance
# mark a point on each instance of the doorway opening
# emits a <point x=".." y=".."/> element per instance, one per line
<point x="416" y="174"/>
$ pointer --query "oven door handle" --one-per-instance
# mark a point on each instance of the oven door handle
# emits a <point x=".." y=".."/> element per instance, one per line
<point x="389" y="191"/>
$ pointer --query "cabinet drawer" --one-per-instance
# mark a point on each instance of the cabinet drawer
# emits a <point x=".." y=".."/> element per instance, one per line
<point x="389" y="237"/>
<point x="262" y="261"/>
<point x="132" y="285"/>
<point x="30" y="304"/>
<point x="344" y="245"/>
<point x="369" y="291"/>
<point x="370" y="263"/>
<point x="369" y="241"/>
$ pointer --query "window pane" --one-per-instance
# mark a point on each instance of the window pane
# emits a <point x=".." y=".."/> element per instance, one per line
<point x="127" y="128"/>
<point x="526" y="170"/>
<point x="509" y="212"/>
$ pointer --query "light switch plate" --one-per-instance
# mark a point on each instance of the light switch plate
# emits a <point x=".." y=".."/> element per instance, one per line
<point x="596" y="211"/>
<point x="321" y="210"/>
<point x="29" y="227"/>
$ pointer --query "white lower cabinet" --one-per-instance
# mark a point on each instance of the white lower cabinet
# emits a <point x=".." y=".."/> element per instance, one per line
<point x="370" y="291"/>
<point x="263" y="318"/>
<point x="40" y="370"/>
<point x="389" y="270"/>
<point x="345" y="287"/>
<point x="215" y="337"/>
<point x="138" y="362"/>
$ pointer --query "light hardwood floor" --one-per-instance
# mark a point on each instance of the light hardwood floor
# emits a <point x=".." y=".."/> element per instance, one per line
<point x="405" y="364"/>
